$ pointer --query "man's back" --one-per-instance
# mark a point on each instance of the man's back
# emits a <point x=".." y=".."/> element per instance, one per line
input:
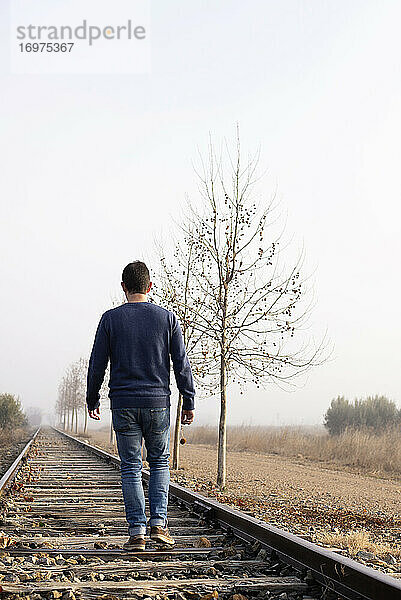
<point x="139" y="338"/>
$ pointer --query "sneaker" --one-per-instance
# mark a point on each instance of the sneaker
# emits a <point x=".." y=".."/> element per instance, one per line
<point x="161" y="535"/>
<point x="135" y="542"/>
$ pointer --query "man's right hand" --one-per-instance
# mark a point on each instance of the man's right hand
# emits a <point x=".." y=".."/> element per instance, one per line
<point x="95" y="414"/>
<point x="187" y="416"/>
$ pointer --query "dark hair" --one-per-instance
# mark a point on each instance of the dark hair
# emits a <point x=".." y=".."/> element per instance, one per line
<point x="136" y="277"/>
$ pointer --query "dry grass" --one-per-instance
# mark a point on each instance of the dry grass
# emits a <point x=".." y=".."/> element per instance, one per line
<point x="8" y="437"/>
<point x="361" y="450"/>
<point x="355" y="541"/>
<point x="11" y="444"/>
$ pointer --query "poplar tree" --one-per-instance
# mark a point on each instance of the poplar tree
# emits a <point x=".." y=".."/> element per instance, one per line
<point x="247" y="307"/>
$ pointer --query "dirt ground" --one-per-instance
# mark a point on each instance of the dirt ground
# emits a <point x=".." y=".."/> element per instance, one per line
<point x="296" y="480"/>
<point x="334" y="508"/>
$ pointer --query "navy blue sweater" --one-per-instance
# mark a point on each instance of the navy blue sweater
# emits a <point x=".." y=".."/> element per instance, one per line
<point x="139" y="338"/>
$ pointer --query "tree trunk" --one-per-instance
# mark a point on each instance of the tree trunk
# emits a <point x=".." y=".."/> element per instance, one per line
<point x="222" y="444"/>
<point x="221" y="455"/>
<point x="176" y="444"/>
<point x="111" y="432"/>
<point x="76" y="420"/>
<point x="86" y="420"/>
<point x="64" y="418"/>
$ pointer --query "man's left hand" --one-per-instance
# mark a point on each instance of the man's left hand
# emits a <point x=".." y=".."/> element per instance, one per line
<point x="187" y="417"/>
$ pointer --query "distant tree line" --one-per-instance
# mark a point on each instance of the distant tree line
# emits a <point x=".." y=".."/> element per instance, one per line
<point x="71" y="400"/>
<point x="376" y="413"/>
<point x="34" y="416"/>
<point x="71" y="396"/>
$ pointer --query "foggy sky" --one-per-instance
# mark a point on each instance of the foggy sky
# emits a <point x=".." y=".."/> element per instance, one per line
<point x="93" y="167"/>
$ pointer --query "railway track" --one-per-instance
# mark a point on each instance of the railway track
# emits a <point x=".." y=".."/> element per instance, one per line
<point x="63" y="526"/>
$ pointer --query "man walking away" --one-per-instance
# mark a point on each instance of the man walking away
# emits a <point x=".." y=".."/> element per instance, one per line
<point x="139" y="338"/>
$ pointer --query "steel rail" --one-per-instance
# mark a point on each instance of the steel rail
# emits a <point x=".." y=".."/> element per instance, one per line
<point x="11" y="472"/>
<point x="343" y="575"/>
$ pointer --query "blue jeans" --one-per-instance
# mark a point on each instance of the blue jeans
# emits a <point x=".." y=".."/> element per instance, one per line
<point x="152" y="424"/>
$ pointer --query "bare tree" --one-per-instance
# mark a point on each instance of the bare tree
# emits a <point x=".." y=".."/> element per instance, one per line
<point x="116" y="300"/>
<point x="61" y="404"/>
<point x="64" y="404"/>
<point x="247" y="307"/>
<point x="173" y="290"/>
<point x="76" y="382"/>
<point x="84" y="370"/>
